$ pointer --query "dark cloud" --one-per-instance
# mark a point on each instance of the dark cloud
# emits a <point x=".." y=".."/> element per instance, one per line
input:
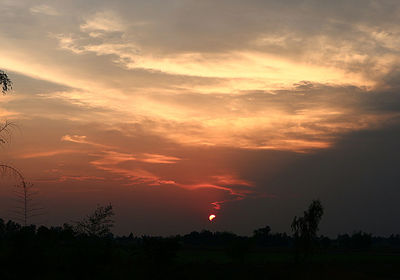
<point x="357" y="181"/>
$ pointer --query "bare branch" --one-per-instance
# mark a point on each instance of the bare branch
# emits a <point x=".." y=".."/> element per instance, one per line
<point x="97" y="224"/>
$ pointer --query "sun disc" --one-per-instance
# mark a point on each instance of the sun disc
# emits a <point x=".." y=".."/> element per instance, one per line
<point x="211" y="217"/>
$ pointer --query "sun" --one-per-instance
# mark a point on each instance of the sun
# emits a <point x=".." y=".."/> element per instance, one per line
<point x="211" y="217"/>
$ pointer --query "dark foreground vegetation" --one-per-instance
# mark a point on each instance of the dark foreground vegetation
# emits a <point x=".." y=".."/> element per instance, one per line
<point x="68" y="252"/>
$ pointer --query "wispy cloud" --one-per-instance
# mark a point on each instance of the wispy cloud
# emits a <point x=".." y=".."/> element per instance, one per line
<point x="80" y="178"/>
<point x="105" y="21"/>
<point x="227" y="183"/>
<point x="82" y="139"/>
<point x="156" y="158"/>
<point x="44" y="10"/>
<point x="48" y="153"/>
<point x="113" y="162"/>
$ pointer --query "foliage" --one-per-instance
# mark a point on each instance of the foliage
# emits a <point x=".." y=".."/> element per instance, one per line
<point x="305" y="228"/>
<point x="5" y="82"/>
<point x="262" y="232"/>
<point x="98" y="224"/>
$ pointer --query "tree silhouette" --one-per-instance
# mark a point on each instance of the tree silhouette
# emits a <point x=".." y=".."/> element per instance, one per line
<point x="5" y="82"/>
<point x="97" y="224"/>
<point x="262" y="236"/>
<point x="262" y="232"/>
<point x="26" y="208"/>
<point x="305" y="229"/>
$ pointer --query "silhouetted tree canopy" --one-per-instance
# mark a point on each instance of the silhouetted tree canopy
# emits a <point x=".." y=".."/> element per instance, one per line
<point x="305" y="228"/>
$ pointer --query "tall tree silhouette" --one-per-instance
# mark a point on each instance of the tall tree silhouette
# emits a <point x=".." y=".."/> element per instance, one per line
<point x="305" y="229"/>
<point x="26" y="208"/>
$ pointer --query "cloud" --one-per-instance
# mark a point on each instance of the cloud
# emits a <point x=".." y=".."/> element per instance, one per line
<point x="356" y="181"/>
<point x="105" y="21"/>
<point x="267" y="56"/>
<point x="47" y="153"/>
<point x="304" y="117"/>
<point x="132" y="176"/>
<point x="246" y="70"/>
<point x="134" y="171"/>
<point x="80" y="178"/>
<point x="45" y="10"/>
<point x="237" y="189"/>
<point x="75" y="138"/>
<point x="112" y="157"/>
<point x="231" y="180"/>
<point x="82" y="139"/>
<point x="309" y="116"/>
<point x="155" y="158"/>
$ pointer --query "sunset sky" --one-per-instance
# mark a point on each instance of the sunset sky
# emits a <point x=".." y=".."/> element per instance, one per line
<point x="173" y="110"/>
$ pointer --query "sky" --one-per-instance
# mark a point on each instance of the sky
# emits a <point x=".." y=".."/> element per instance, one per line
<point x="172" y="110"/>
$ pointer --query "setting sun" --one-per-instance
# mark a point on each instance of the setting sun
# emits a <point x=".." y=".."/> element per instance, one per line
<point x="211" y="217"/>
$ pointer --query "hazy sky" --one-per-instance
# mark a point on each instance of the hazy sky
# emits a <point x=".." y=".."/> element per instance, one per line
<point x="176" y="109"/>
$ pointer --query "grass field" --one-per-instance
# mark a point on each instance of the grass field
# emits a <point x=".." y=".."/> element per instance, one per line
<point x="216" y="264"/>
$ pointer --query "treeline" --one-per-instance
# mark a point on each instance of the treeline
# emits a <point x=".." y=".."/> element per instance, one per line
<point x="65" y="252"/>
<point x="14" y="234"/>
<point x="87" y="249"/>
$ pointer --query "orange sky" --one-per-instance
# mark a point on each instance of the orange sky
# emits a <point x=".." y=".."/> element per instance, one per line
<point x="178" y="109"/>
